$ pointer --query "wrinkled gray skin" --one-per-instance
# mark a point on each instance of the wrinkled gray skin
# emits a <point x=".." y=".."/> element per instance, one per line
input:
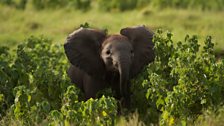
<point x="99" y="61"/>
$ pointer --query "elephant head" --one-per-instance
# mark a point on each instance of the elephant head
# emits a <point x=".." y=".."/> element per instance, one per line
<point x="97" y="53"/>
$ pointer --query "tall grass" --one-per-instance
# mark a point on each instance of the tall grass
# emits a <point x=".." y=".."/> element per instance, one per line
<point x="211" y="118"/>
<point x="16" y="25"/>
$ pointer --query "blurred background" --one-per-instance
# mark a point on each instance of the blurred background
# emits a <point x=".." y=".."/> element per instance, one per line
<point x="57" y="18"/>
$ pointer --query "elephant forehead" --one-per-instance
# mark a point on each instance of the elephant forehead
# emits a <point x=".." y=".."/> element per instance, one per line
<point x="115" y="38"/>
<point x="118" y="45"/>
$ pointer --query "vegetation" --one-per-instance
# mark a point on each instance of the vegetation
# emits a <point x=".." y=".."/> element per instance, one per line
<point x="17" y="25"/>
<point x="183" y="86"/>
<point x="175" y="88"/>
<point x="118" y="5"/>
<point x="34" y="87"/>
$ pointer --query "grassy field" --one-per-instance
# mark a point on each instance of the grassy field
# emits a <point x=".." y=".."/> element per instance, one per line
<point x="16" y="25"/>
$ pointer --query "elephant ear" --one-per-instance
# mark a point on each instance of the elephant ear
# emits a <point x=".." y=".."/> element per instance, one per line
<point x="141" y="39"/>
<point x="82" y="50"/>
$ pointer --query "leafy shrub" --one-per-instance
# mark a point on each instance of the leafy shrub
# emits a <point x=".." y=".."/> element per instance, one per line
<point x="195" y="4"/>
<point x="34" y="87"/>
<point x="147" y="109"/>
<point x="43" y="4"/>
<point x="117" y="5"/>
<point x="120" y="5"/>
<point x="211" y="117"/>
<point x="78" y="4"/>
<point x="20" y="4"/>
<point x="183" y="80"/>
<point x="6" y="83"/>
<point x="132" y="4"/>
<point x="100" y="111"/>
<point x="37" y="73"/>
<point x="44" y="67"/>
<point x="40" y="4"/>
<point x="7" y="2"/>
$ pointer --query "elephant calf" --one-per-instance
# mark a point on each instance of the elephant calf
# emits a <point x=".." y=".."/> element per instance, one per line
<point x="99" y="60"/>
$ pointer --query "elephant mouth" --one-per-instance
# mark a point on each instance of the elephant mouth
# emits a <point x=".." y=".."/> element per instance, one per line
<point x="112" y="69"/>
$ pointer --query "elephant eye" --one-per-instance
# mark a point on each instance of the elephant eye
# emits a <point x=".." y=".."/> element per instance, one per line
<point x="132" y="51"/>
<point x="108" y="52"/>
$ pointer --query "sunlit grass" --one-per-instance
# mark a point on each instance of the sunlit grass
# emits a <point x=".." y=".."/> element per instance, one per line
<point x="211" y="118"/>
<point x="16" y="25"/>
<point x="132" y="120"/>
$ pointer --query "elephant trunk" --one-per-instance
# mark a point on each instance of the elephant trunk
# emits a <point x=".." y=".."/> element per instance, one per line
<point x="124" y="67"/>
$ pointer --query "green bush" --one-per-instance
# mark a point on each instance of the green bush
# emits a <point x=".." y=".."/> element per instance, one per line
<point x="100" y="111"/>
<point x="78" y="4"/>
<point x="34" y="87"/>
<point x="116" y="5"/>
<point x="183" y="81"/>
<point x="211" y="117"/>
<point x="7" y="2"/>
<point x="37" y="73"/>
<point x="6" y="81"/>
<point x="46" y="4"/>
<point x="19" y="4"/>
<point x="185" y="4"/>
<point x="192" y="4"/>
<point x="41" y="4"/>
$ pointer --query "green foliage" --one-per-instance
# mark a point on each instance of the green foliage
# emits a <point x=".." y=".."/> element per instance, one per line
<point x="100" y="111"/>
<point x="183" y="80"/>
<point x="196" y="4"/>
<point x="23" y="106"/>
<point x="38" y="55"/>
<point x="6" y="81"/>
<point x="7" y="2"/>
<point x="40" y="4"/>
<point x="85" y="25"/>
<point x="121" y="5"/>
<point x="34" y="87"/>
<point x="19" y="4"/>
<point x="132" y="4"/>
<point x="80" y="4"/>
<point x="211" y="117"/>
<point x="147" y="109"/>
<point x="43" y="4"/>
<point x="36" y="75"/>
<point x="117" y="4"/>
